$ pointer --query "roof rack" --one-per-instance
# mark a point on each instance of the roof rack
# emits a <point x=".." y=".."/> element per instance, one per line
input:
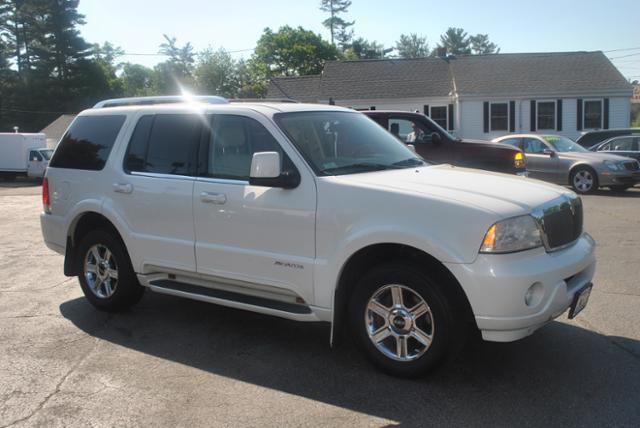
<point x="262" y="100"/>
<point x="167" y="99"/>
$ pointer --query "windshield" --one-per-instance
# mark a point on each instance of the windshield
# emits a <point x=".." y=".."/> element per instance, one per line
<point x="47" y="153"/>
<point x="337" y="143"/>
<point x="563" y="144"/>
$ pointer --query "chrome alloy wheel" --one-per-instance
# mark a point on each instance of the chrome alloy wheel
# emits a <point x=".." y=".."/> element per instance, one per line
<point x="101" y="271"/>
<point x="583" y="180"/>
<point x="399" y="322"/>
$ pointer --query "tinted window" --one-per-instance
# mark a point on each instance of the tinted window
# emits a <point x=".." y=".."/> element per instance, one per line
<point x="34" y="156"/>
<point x="137" y="151"/>
<point x="173" y="144"/>
<point x="233" y="141"/>
<point x="515" y="142"/>
<point x="620" y="144"/>
<point x="87" y="143"/>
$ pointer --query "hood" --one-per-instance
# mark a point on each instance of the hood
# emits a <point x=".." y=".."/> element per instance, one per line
<point x="501" y="194"/>
<point x="593" y="156"/>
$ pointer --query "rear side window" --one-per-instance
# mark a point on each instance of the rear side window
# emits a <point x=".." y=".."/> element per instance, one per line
<point x="165" y="144"/>
<point x="88" y="142"/>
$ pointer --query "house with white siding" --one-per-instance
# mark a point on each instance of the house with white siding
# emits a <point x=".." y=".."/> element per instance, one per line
<point x="479" y="96"/>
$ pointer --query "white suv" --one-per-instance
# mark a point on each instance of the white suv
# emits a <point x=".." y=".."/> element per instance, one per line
<point x="311" y="213"/>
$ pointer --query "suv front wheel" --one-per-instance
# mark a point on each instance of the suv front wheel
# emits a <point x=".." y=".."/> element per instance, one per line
<point x="402" y="320"/>
<point x="107" y="277"/>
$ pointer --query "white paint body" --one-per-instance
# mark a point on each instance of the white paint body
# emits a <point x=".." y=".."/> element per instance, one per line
<point x="297" y="241"/>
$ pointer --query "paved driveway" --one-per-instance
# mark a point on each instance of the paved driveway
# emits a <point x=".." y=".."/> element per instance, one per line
<point x="178" y="362"/>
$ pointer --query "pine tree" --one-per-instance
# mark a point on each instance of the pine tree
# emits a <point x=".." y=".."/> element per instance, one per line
<point x="338" y="27"/>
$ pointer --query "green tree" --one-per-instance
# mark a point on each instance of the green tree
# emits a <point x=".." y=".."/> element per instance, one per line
<point x="176" y="74"/>
<point x="481" y="45"/>
<point x="216" y="73"/>
<point x="136" y="80"/>
<point x="105" y="57"/>
<point x="412" y="46"/>
<point x="456" y="41"/>
<point x="338" y="27"/>
<point x="361" y="48"/>
<point x="292" y="52"/>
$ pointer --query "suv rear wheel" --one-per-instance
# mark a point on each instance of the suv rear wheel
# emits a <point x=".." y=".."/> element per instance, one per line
<point x="107" y="277"/>
<point x="402" y="320"/>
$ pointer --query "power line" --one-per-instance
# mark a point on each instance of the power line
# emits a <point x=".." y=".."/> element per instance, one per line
<point x="34" y="111"/>
<point x="625" y="56"/>
<point x="623" y="49"/>
<point x="162" y="54"/>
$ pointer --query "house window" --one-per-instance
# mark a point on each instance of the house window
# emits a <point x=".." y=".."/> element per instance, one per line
<point x="546" y="115"/>
<point x="592" y="112"/>
<point x="499" y="116"/>
<point x="439" y="115"/>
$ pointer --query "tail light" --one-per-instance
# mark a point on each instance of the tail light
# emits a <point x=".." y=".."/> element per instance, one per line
<point x="519" y="161"/>
<point x="46" y="205"/>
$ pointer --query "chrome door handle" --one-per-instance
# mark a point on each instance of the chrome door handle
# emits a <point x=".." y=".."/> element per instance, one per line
<point x="123" y="187"/>
<point x="213" y="198"/>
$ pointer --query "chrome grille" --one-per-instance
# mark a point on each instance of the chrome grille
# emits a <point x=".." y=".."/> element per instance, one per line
<point x="560" y="222"/>
<point x="632" y="166"/>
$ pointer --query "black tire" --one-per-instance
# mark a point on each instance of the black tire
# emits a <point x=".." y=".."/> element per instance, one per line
<point x="126" y="290"/>
<point x="584" y="171"/>
<point x="447" y="331"/>
<point x="620" y="188"/>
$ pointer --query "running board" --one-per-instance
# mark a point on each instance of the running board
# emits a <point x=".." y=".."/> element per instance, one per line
<point x="234" y="300"/>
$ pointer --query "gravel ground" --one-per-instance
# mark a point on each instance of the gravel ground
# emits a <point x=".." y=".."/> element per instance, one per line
<point x="175" y="362"/>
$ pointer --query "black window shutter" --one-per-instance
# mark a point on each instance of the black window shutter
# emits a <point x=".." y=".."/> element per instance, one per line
<point x="372" y="108"/>
<point x="579" y="118"/>
<point x="533" y="116"/>
<point x="512" y="116"/>
<point x="425" y="109"/>
<point x="605" y="119"/>
<point x="450" y="117"/>
<point x="485" y="117"/>
<point x="559" y="115"/>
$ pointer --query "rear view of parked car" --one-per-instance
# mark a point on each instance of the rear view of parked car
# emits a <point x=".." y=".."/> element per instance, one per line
<point x="627" y="145"/>
<point x="560" y="160"/>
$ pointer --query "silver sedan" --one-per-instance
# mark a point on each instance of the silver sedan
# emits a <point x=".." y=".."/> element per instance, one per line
<point x="559" y="160"/>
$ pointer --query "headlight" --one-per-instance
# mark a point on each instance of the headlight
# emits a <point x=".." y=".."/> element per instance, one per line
<point x="613" y="166"/>
<point x="510" y="235"/>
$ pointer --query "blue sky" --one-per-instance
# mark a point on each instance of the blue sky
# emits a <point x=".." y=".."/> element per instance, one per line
<point x="539" y="26"/>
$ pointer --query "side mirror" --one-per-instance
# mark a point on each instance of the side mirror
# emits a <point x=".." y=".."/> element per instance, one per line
<point x="436" y="138"/>
<point x="549" y="152"/>
<point x="266" y="171"/>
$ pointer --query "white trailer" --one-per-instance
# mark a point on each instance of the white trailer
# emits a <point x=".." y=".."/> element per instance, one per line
<point x="23" y="154"/>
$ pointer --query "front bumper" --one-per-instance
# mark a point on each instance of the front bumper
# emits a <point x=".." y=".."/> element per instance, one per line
<point x="618" y="178"/>
<point x="512" y="295"/>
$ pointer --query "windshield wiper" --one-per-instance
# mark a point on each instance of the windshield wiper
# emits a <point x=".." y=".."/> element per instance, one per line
<point x="409" y="162"/>
<point x="363" y="166"/>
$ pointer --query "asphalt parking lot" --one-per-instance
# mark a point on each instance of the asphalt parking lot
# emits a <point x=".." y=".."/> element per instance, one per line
<point x="174" y="362"/>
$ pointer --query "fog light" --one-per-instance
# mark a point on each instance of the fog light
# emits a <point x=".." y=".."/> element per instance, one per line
<point x="534" y="295"/>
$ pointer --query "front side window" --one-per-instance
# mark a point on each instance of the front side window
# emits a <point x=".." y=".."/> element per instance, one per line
<point x="336" y="143"/>
<point x="619" y="144"/>
<point x="593" y="114"/>
<point x="88" y="142"/>
<point x="439" y="115"/>
<point x="34" y="156"/>
<point x="546" y="115"/>
<point x="515" y="142"/>
<point x="499" y="116"/>
<point x="47" y="153"/>
<point x="409" y="131"/>
<point x="533" y="145"/>
<point x="232" y="143"/>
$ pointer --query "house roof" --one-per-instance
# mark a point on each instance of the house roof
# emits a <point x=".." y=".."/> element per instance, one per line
<point x="537" y="73"/>
<point x="55" y="129"/>
<point x="468" y="75"/>
<point x="303" y="88"/>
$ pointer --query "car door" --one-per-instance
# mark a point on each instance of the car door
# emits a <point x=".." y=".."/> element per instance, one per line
<point x="35" y="165"/>
<point x="410" y="130"/>
<point x="542" y="160"/>
<point x="252" y="235"/>
<point x="153" y="193"/>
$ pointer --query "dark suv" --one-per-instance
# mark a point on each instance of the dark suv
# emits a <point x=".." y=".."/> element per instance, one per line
<point x="591" y="138"/>
<point x="438" y="146"/>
